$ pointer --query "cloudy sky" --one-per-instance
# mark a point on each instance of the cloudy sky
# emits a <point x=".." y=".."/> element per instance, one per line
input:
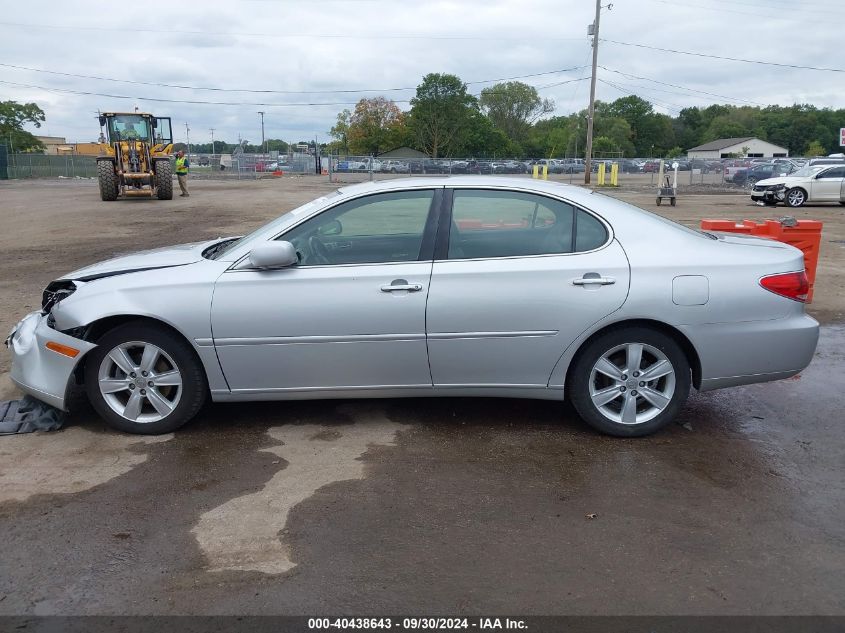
<point x="296" y="57"/>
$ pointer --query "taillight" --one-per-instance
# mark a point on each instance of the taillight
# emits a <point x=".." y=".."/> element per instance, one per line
<point x="793" y="286"/>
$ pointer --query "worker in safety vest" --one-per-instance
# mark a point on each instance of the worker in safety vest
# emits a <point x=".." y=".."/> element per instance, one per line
<point x="182" y="166"/>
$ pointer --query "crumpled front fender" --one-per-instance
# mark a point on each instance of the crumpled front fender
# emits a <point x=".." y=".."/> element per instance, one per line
<point x="41" y="371"/>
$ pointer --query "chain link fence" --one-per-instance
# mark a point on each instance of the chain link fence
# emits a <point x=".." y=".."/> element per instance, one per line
<point x="726" y="174"/>
<point x="239" y="166"/>
<point x="31" y="165"/>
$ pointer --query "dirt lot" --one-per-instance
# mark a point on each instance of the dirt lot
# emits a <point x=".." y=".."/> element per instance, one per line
<point x="449" y="506"/>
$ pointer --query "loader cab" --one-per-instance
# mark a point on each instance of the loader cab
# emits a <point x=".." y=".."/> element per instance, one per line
<point x="137" y="127"/>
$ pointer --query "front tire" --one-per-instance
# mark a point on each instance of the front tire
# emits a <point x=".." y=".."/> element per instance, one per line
<point x="143" y="378"/>
<point x="107" y="179"/>
<point x="795" y="197"/>
<point x="164" y="179"/>
<point x="630" y="382"/>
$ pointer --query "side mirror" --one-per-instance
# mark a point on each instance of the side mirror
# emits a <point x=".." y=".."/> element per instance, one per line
<point x="275" y="254"/>
<point x="331" y="228"/>
<point x="102" y="121"/>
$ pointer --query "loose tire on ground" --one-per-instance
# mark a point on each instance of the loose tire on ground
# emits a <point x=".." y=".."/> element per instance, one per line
<point x="582" y="375"/>
<point x="107" y="179"/>
<point x="164" y="179"/>
<point x="193" y="386"/>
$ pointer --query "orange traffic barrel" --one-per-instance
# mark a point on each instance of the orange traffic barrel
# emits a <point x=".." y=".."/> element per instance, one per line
<point x="803" y="234"/>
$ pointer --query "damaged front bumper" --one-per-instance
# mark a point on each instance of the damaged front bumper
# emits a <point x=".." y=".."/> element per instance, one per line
<point x="44" y="359"/>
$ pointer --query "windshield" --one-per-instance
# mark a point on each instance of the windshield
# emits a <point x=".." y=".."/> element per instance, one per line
<point x="807" y="172"/>
<point x="129" y="127"/>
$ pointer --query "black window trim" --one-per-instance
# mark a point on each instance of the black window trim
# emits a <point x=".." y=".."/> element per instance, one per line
<point x="441" y="252"/>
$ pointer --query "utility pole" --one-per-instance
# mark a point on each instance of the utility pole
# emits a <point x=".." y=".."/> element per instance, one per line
<point x="212" y="141"/>
<point x="263" y="145"/>
<point x="594" y="31"/>
<point x="188" y="134"/>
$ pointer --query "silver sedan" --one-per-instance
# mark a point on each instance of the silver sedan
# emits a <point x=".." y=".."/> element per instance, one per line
<point x="462" y="286"/>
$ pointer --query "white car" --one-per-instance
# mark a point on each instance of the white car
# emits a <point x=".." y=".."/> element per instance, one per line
<point x="815" y="183"/>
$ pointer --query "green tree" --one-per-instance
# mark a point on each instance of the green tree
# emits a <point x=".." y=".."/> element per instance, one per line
<point x="340" y="131"/>
<point x="814" y="148"/>
<point x="13" y="116"/>
<point x="376" y="125"/>
<point x="440" y="115"/>
<point x="513" y="106"/>
<point x="483" y="139"/>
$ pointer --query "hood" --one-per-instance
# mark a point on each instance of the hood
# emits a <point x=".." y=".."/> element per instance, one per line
<point x="143" y="260"/>
<point x="779" y="180"/>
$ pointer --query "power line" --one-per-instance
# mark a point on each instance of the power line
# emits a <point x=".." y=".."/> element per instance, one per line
<point x="280" y="36"/>
<point x="663" y="83"/>
<point x="187" y="101"/>
<point x="256" y="91"/>
<point x="731" y="59"/>
<point x="217" y="103"/>
<point x="669" y="106"/>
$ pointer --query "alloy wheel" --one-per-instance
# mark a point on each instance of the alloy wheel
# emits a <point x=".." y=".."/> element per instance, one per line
<point x="632" y="383"/>
<point x="140" y="382"/>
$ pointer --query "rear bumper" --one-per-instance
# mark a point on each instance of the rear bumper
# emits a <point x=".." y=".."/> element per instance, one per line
<point x="37" y="370"/>
<point x="733" y="354"/>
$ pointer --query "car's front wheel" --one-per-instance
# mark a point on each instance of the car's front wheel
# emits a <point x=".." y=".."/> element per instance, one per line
<point x="143" y="378"/>
<point x="630" y="382"/>
<point x="796" y="197"/>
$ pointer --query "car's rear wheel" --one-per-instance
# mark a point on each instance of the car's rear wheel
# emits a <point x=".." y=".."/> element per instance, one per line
<point x="795" y="197"/>
<point x="142" y="378"/>
<point x="630" y="382"/>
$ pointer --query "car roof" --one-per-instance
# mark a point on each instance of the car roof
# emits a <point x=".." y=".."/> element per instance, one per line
<point x="572" y="192"/>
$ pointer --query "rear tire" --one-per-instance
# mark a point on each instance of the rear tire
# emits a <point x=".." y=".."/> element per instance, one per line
<point x="178" y="388"/>
<point x="629" y="405"/>
<point x="795" y="197"/>
<point x="164" y="179"/>
<point x="107" y="179"/>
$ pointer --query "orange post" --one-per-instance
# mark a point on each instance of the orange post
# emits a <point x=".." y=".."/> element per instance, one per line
<point x="805" y="235"/>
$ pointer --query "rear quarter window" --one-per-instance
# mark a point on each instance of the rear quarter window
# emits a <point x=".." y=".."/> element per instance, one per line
<point x="589" y="232"/>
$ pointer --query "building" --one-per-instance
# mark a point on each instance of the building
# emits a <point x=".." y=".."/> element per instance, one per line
<point x="748" y="146"/>
<point x="55" y="145"/>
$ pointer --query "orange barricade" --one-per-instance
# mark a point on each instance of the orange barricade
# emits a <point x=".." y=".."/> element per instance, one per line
<point x="806" y="235"/>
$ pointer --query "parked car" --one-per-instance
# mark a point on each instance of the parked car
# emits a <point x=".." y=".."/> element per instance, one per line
<point x="814" y="183"/>
<point x="651" y="166"/>
<point x="749" y="177"/>
<point x="435" y="166"/>
<point x="479" y="167"/>
<point x="357" y="294"/>
<point x="395" y="167"/>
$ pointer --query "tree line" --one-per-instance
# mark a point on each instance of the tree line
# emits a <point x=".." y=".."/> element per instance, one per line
<point x="507" y="120"/>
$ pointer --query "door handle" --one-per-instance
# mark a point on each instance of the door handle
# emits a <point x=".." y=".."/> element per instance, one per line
<point x="400" y="284"/>
<point x="601" y="281"/>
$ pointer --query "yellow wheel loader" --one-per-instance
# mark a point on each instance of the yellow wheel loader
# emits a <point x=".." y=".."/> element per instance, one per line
<point x="134" y="156"/>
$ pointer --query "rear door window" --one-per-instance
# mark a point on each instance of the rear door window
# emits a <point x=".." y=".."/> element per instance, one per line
<point x="495" y="223"/>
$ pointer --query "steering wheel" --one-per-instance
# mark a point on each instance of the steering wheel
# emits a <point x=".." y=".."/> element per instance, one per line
<point x="318" y="250"/>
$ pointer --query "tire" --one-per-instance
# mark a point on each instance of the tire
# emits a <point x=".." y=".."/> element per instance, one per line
<point x="672" y="201"/>
<point x="659" y="201"/>
<point x="611" y="349"/>
<point x="795" y="197"/>
<point x="164" y="179"/>
<point x="182" y="394"/>
<point x="107" y="179"/>
<point x="842" y="203"/>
